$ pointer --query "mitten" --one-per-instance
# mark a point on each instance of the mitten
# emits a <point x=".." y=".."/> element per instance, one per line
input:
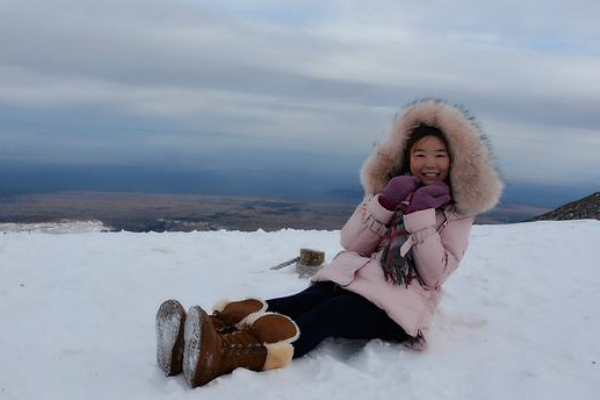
<point x="431" y="196"/>
<point x="397" y="190"/>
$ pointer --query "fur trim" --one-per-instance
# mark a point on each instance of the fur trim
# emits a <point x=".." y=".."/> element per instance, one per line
<point x="279" y="355"/>
<point x="220" y="305"/>
<point x="476" y="184"/>
<point x="250" y="319"/>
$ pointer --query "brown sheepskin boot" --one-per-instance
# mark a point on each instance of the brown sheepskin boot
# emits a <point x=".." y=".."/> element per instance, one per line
<point x="170" y="320"/>
<point x="263" y="343"/>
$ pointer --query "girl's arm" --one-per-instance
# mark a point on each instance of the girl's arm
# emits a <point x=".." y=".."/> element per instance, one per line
<point x="366" y="226"/>
<point x="436" y="253"/>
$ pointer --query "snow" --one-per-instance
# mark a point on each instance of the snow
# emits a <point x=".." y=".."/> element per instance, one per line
<point x="519" y="318"/>
<point x="55" y="227"/>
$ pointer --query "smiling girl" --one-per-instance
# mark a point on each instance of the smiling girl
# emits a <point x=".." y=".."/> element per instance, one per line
<point x="423" y="186"/>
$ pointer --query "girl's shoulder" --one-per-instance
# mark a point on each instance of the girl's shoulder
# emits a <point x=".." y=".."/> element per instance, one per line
<point x="451" y="213"/>
<point x="450" y="216"/>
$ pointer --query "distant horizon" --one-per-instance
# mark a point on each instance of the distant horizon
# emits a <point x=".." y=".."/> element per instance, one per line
<point x="308" y="183"/>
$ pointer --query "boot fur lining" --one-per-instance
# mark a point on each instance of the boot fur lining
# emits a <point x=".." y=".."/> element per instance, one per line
<point x="279" y="355"/>
<point x="220" y="305"/>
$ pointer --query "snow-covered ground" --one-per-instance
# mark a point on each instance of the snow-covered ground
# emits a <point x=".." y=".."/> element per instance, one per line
<point x="519" y="319"/>
<point x="57" y="228"/>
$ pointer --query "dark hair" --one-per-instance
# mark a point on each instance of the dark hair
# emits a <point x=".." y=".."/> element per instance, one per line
<point x="417" y="134"/>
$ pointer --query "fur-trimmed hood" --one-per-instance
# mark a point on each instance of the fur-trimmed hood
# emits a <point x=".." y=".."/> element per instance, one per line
<point x="476" y="185"/>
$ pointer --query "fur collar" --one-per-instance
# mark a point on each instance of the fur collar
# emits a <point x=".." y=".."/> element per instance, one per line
<point x="476" y="185"/>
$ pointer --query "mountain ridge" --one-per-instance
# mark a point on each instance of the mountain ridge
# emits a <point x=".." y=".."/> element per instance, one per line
<point x="585" y="208"/>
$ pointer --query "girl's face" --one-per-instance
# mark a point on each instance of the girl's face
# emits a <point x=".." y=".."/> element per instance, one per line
<point x="429" y="160"/>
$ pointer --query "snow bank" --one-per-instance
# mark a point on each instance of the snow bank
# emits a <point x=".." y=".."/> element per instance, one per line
<point x="519" y="318"/>
<point x="57" y="228"/>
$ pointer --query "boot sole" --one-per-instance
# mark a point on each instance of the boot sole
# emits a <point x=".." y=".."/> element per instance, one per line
<point x="192" y="347"/>
<point x="170" y="320"/>
<point x="199" y="361"/>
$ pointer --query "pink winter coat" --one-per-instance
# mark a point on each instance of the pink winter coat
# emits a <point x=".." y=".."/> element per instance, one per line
<point x="438" y="240"/>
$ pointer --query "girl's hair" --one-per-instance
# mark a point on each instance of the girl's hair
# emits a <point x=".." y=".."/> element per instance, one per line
<point x="417" y="134"/>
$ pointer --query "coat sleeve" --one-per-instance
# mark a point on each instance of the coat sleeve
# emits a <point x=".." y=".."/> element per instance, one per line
<point x="437" y="253"/>
<point x="366" y="226"/>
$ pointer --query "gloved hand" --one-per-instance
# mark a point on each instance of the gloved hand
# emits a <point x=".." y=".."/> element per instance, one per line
<point x="397" y="190"/>
<point x="431" y="196"/>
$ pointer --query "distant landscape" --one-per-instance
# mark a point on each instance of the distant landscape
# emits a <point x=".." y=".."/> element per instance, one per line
<point x="300" y="195"/>
<point x="173" y="212"/>
<point x="140" y="212"/>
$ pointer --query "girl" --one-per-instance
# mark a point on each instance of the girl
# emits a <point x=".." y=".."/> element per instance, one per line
<point x="423" y="186"/>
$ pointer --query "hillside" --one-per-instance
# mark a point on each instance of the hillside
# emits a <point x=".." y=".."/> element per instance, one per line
<point x="586" y="208"/>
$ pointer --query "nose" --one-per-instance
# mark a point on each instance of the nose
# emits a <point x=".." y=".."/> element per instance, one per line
<point x="430" y="162"/>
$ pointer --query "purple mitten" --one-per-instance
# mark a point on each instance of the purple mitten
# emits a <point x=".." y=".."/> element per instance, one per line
<point x="397" y="190"/>
<point x="431" y="196"/>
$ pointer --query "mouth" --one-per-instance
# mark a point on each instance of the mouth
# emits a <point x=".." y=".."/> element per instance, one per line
<point x="431" y="175"/>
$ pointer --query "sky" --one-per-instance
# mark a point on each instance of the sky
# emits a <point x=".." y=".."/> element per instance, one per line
<point x="250" y="85"/>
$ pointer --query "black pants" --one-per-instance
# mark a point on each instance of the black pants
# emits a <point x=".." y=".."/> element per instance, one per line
<point x="326" y="310"/>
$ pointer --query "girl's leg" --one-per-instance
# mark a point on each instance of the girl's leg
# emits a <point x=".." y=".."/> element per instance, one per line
<point x="345" y="316"/>
<point x="296" y="305"/>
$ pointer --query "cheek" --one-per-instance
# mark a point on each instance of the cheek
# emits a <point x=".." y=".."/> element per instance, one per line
<point x="446" y="168"/>
<point x="415" y="165"/>
<point x="445" y="165"/>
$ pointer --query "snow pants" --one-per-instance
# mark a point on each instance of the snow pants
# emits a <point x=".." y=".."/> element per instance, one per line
<point x="327" y="310"/>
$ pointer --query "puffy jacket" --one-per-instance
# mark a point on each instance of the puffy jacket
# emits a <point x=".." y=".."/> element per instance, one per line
<point x="438" y="238"/>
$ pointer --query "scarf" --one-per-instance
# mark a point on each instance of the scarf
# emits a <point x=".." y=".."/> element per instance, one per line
<point x="397" y="269"/>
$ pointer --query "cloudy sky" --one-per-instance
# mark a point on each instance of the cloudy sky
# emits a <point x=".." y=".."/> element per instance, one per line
<point x="192" y="84"/>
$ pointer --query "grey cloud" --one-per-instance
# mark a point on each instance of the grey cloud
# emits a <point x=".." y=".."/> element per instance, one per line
<point x="191" y="47"/>
<point x="331" y="82"/>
